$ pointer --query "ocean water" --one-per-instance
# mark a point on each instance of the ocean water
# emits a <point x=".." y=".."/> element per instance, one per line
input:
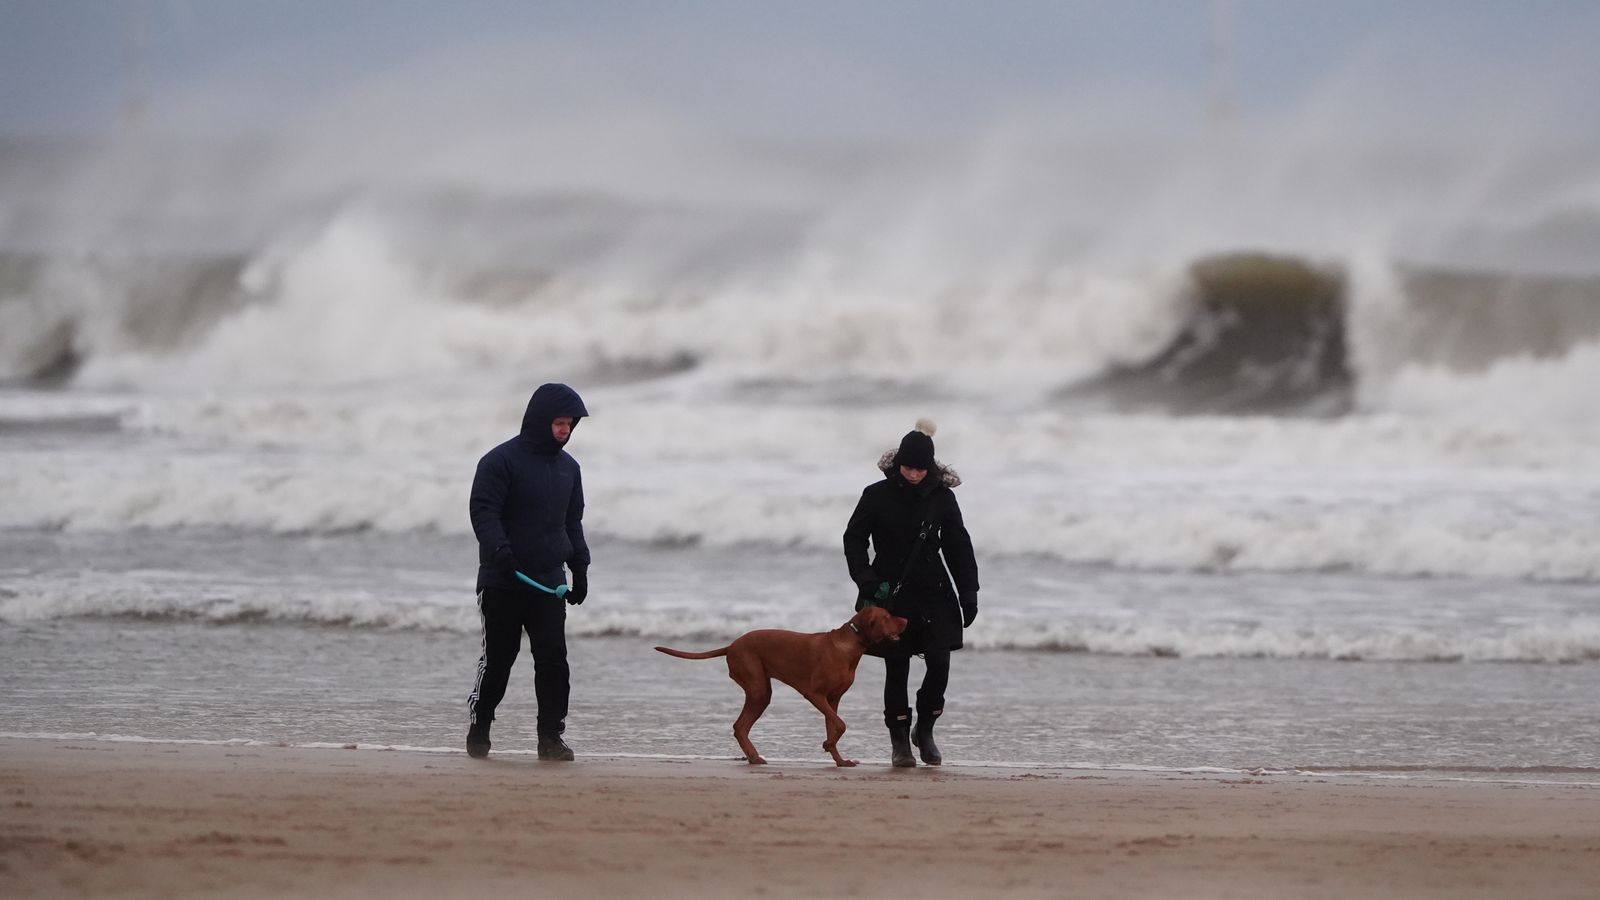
<point x="1253" y="482"/>
<point x="317" y="630"/>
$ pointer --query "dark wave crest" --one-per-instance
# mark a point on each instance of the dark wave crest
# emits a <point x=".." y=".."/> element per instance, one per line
<point x="1466" y="321"/>
<point x="1264" y="334"/>
<point x="150" y="303"/>
<point x="1267" y="334"/>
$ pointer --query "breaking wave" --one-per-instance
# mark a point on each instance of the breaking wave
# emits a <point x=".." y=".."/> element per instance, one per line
<point x="1576" y="641"/>
<point x="428" y="284"/>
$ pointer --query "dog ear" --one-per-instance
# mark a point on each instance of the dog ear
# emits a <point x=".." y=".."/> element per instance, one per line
<point x="863" y="620"/>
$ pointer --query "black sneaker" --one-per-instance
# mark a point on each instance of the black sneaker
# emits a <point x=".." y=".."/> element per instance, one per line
<point x="551" y="746"/>
<point x="478" y="740"/>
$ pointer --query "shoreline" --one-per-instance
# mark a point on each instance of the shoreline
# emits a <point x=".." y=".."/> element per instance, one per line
<point x="126" y="818"/>
<point x="1574" y="776"/>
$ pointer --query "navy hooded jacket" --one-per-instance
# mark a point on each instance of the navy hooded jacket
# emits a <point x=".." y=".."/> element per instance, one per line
<point x="528" y="496"/>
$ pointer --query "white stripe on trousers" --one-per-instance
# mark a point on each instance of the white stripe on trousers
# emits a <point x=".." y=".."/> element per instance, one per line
<point x="483" y="664"/>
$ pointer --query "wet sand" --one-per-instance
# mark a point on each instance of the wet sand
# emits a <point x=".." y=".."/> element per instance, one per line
<point x="100" y="819"/>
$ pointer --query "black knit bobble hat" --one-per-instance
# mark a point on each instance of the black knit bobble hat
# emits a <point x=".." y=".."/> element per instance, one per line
<point x="916" y="448"/>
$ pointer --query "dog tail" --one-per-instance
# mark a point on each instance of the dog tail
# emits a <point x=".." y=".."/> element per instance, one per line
<point x="704" y="654"/>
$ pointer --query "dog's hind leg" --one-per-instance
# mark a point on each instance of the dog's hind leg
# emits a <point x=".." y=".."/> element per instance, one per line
<point x="757" y="694"/>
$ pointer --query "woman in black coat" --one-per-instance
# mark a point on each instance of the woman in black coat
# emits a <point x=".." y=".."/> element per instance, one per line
<point x="914" y="525"/>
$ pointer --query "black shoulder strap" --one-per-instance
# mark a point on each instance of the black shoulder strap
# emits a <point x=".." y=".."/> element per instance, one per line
<point x="923" y="530"/>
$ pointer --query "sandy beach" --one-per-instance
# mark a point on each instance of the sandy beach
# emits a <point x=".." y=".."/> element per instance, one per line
<point x="98" y="819"/>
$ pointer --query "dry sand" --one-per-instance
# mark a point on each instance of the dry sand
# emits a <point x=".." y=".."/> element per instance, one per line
<point x="93" y="819"/>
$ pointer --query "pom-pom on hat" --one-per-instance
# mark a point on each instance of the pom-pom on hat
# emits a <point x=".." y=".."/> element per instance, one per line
<point x="916" y="448"/>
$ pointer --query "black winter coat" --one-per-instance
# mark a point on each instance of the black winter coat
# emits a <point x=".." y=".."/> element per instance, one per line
<point x="528" y="496"/>
<point x="889" y="515"/>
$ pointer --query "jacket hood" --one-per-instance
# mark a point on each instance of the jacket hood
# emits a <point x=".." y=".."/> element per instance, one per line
<point x="947" y="475"/>
<point x="548" y="403"/>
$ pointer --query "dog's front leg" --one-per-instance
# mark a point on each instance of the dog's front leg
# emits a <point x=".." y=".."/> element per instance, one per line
<point x="835" y="726"/>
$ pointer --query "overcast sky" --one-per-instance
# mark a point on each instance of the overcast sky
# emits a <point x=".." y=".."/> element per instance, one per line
<point x="814" y="69"/>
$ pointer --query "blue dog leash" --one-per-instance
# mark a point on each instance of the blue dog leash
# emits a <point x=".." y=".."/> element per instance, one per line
<point x="560" y="590"/>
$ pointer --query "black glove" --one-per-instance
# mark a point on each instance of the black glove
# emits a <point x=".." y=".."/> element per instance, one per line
<point x="580" y="586"/>
<point x="505" y="562"/>
<point x="969" y="610"/>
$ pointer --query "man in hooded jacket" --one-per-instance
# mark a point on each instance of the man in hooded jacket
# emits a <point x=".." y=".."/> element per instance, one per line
<point x="527" y="513"/>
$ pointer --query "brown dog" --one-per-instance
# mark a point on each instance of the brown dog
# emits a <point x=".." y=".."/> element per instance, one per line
<point x="821" y="666"/>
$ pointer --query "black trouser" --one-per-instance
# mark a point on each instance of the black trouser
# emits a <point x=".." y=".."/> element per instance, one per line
<point x="930" y="697"/>
<point x="506" y="614"/>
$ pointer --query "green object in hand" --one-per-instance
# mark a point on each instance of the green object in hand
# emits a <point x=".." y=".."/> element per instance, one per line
<point x="883" y="592"/>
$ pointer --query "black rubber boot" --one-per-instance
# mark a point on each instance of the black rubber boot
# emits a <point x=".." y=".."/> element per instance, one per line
<point x="899" y="722"/>
<point x="478" y="740"/>
<point x="551" y="746"/>
<point x="900" y="752"/>
<point x="923" y="735"/>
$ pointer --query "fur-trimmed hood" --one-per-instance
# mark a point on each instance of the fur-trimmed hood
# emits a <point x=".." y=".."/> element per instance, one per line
<point x="947" y="475"/>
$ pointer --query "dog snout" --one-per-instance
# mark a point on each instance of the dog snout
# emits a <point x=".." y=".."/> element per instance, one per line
<point x="897" y="625"/>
